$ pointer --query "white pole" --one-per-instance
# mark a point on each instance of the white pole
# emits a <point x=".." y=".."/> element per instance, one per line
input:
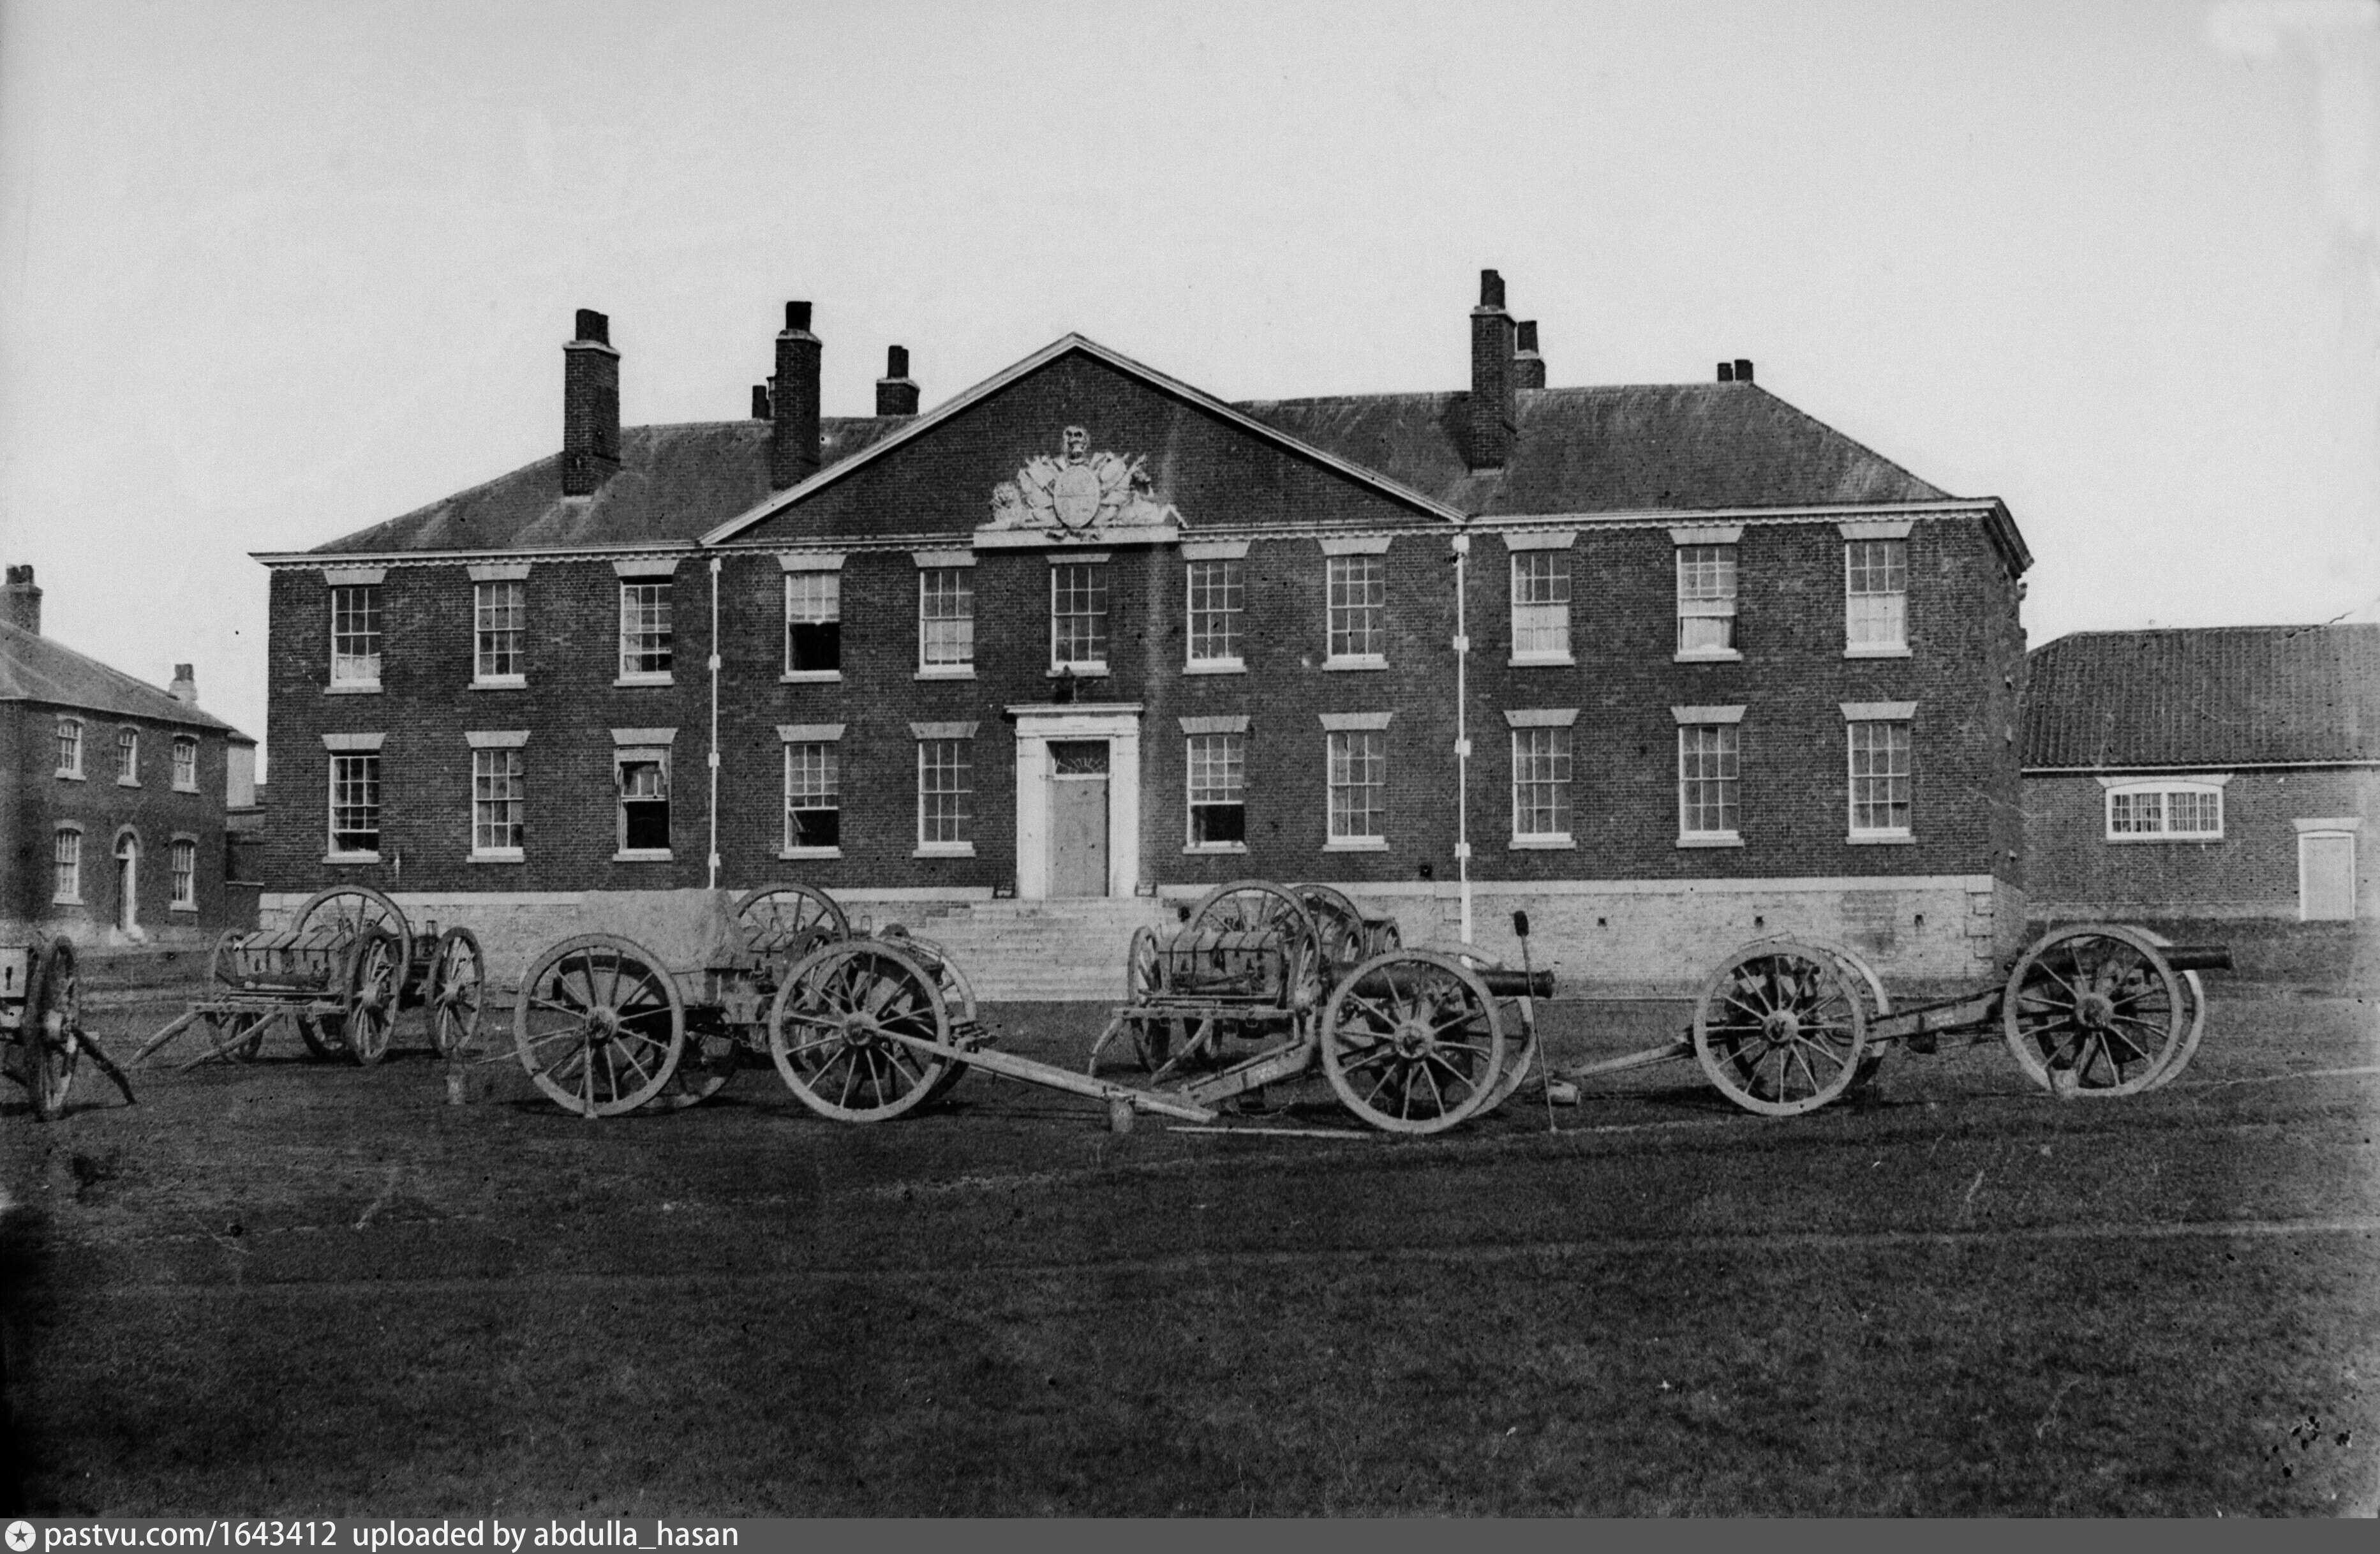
<point x="1462" y="738"/>
<point x="714" y="724"/>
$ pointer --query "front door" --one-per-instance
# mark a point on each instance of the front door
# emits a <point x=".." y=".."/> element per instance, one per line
<point x="1078" y="817"/>
<point x="128" y="884"/>
<point x="2326" y="875"/>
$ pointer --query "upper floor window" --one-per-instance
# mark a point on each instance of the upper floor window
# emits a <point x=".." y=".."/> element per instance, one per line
<point x="1078" y="617"/>
<point x="499" y="802"/>
<point x="643" y="778"/>
<point x="1217" y="599"/>
<point x="814" y="623"/>
<point x="1541" y="771"/>
<point x="186" y="764"/>
<point x="183" y="865"/>
<point x="2166" y="810"/>
<point x="813" y="795"/>
<point x="1879" y="778"/>
<point x="1358" y="609"/>
<point x="945" y="619"/>
<point x="499" y="621"/>
<point x="1217" y="787"/>
<point x="1876" y="596"/>
<point x="128" y="757"/>
<point x="645" y="629"/>
<point x="1541" y="607"/>
<point x="1709" y="782"/>
<point x="355" y="636"/>
<point x="70" y="746"/>
<point x="1358" y="770"/>
<point x="1706" y="601"/>
<point x="66" y="861"/>
<point x="355" y="804"/>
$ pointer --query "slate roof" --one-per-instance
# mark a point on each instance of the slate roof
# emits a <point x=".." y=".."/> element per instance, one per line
<point x="1633" y="447"/>
<point x="35" y="668"/>
<point x="2205" y="699"/>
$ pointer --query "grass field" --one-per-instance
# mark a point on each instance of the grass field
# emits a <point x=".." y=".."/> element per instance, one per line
<point x="303" y="1287"/>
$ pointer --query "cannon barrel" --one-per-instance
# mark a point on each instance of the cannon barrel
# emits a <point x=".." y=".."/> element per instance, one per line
<point x="1500" y="982"/>
<point x="2198" y="957"/>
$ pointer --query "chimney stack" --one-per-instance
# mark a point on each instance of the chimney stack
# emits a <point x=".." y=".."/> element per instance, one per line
<point x="20" y="600"/>
<point x="1488" y="415"/>
<point x="590" y="406"/>
<point x="1727" y="372"/>
<point x="794" y="398"/>
<point x="1528" y="367"/>
<point x="186" y="684"/>
<point x="896" y="393"/>
<point x="1743" y="369"/>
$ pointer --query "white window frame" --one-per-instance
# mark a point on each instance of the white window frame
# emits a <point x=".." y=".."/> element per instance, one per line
<point x="512" y="767"/>
<point x="1233" y="768"/>
<point x="370" y="771"/>
<point x="487" y="596"/>
<point x="127" y="756"/>
<point x="1340" y="749"/>
<point x="1693" y="721"/>
<point x="1853" y="731"/>
<point x="1098" y="567"/>
<point x="961" y="844"/>
<point x="65" y="865"/>
<point x="1557" y="560"/>
<point x="72" y="772"/>
<point x="2132" y="789"/>
<point x="1363" y="620"/>
<point x="666" y="598"/>
<point x="186" y="764"/>
<point x="359" y="670"/>
<point x="1554" y="730"/>
<point x="1858" y="560"/>
<point x="182" y="881"/>
<point x="624" y="756"/>
<point x="951" y="587"/>
<point x="1696" y="602"/>
<point x="1226" y="593"/>
<point x="813" y="596"/>
<point x="828" y="738"/>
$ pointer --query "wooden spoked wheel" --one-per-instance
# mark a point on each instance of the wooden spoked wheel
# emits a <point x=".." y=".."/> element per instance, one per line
<point x="1782" y="1028"/>
<point x="374" y="977"/>
<point x="599" y="1024"/>
<point x="53" y="1026"/>
<point x="958" y="1000"/>
<point x="703" y="1069"/>
<point x="1519" y="1056"/>
<point x="2193" y="997"/>
<point x="1255" y="906"/>
<point x="1339" y="927"/>
<point x="830" y="1032"/>
<point x="353" y="908"/>
<point x="1381" y="937"/>
<point x="322" y="1035"/>
<point x="2095" y="1011"/>
<point x="219" y="962"/>
<point x="1412" y="1042"/>
<point x="1153" y="1039"/>
<point x="787" y="920"/>
<point x="224" y="1033"/>
<point x="455" y="994"/>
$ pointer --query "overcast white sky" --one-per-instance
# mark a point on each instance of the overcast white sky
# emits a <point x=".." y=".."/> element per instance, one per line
<point x="271" y="272"/>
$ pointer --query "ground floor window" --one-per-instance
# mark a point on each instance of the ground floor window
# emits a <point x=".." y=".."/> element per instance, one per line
<point x="2165" y="811"/>
<point x="184" y="862"/>
<point x="1359" y="784"/>
<point x="499" y="801"/>
<point x="945" y="793"/>
<point x="1218" y="765"/>
<point x="813" y="795"/>
<point x="1710" y="780"/>
<point x="1541" y="769"/>
<point x="66" y="854"/>
<point x="644" y="800"/>
<point x="1880" y="779"/>
<point x="355" y="803"/>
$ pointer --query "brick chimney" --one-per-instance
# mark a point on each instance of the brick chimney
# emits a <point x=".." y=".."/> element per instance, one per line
<point x="20" y="600"/>
<point x="896" y="393"/>
<point x="1528" y="367"/>
<point x="793" y="396"/>
<point x="760" y="402"/>
<point x="1487" y="417"/>
<point x="590" y="406"/>
<point x="186" y="684"/>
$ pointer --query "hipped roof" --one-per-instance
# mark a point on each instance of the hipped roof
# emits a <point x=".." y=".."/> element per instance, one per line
<point x="34" y="668"/>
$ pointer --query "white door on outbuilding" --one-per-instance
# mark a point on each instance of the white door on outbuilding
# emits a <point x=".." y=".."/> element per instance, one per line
<point x="2326" y="870"/>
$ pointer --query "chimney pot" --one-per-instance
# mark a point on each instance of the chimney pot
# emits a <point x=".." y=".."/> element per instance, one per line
<point x="1492" y="289"/>
<point x="760" y="402"/>
<point x="186" y="684"/>
<point x="797" y="317"/>
<point x="1487" y="416"/>
<point x="1727" y="372"/>
<point x="1528" y="368"/>
<point x="896" y="361"/>
<point x="594" y="326"/>
<point x="1743" y="369"/>
<point x="20" y="600"/>
<point x="794" y="401"/>
<point x="896" y="394"/>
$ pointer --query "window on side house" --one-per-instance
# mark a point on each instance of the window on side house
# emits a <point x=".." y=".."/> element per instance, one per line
<point x="813" y="795"/>
<point x="66" y="856"/>
<point x="1358" y="762"/>
<point x="127" y="756"/>
<point x="186" y="764"/>
<point x="1217" y="599"/>
<point x="945" y="618"/>
<point x="1541" y="606"/>
<point x="499" y="802"/>
<point x="2165" y="811"/>
<point x="1359" y="607"/>
<point x="644" y="629"/>
<point x="1706" y="600"/>
<point x="1876" y="595"/>
<point x="1541" y="771"/>
<point x="1879" y="778"/>
<point x="182" y="860"/>
<point x="500" y="618"/>
<point x="1217" y="767"/>
<point x="70" y="746"/>
<point x="643" y="777"/>
<point x="1709" y="780"/>
<point x="354" y="635"/>
<point x="1078" y="617"/>
<point x="355" y="804"/>
<point x="813" y="623"/>
<point x="945" y="793"/>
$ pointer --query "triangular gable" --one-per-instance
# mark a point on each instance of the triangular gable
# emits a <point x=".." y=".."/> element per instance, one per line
<point x="1146" y="451"/>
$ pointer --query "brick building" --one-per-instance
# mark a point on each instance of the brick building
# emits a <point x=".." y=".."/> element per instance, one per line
<point x="2231" y="772"/>
<point x="1085" y="631"/>
<point x="112" y="793"/>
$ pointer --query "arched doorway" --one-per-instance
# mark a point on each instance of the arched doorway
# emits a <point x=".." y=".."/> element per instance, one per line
<point x="127" y="881"/>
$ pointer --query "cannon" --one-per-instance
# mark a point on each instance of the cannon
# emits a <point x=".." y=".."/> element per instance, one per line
<point x="41" y="1038"/>
<point x="2092" y="1011"/>
<point x="343" y="971"/>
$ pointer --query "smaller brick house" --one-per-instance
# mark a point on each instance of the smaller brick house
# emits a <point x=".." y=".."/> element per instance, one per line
<point x="113" y="794"/>
<point x="2230" y="771"/>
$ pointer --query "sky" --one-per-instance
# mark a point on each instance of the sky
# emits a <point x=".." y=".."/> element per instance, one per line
<point x="273" y="272"/>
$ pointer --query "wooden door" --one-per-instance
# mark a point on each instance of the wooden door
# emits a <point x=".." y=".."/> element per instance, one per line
<point x="1078" y="817"/>
<point x="2326" y="876"/>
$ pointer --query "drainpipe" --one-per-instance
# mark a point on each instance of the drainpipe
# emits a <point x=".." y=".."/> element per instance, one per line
<point x="1462" y="737"/>
<point x="715" y="722"/>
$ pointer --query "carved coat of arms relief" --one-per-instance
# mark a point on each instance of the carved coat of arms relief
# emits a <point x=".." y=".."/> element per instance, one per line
<point x="1078" y="491"/>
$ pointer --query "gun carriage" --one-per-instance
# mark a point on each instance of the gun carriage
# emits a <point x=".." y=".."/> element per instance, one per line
<point x="343" y="971"/>
<point x="41" y="1038"/>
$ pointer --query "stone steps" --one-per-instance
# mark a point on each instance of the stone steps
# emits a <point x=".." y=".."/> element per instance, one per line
<point x="1036" y="952"/>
